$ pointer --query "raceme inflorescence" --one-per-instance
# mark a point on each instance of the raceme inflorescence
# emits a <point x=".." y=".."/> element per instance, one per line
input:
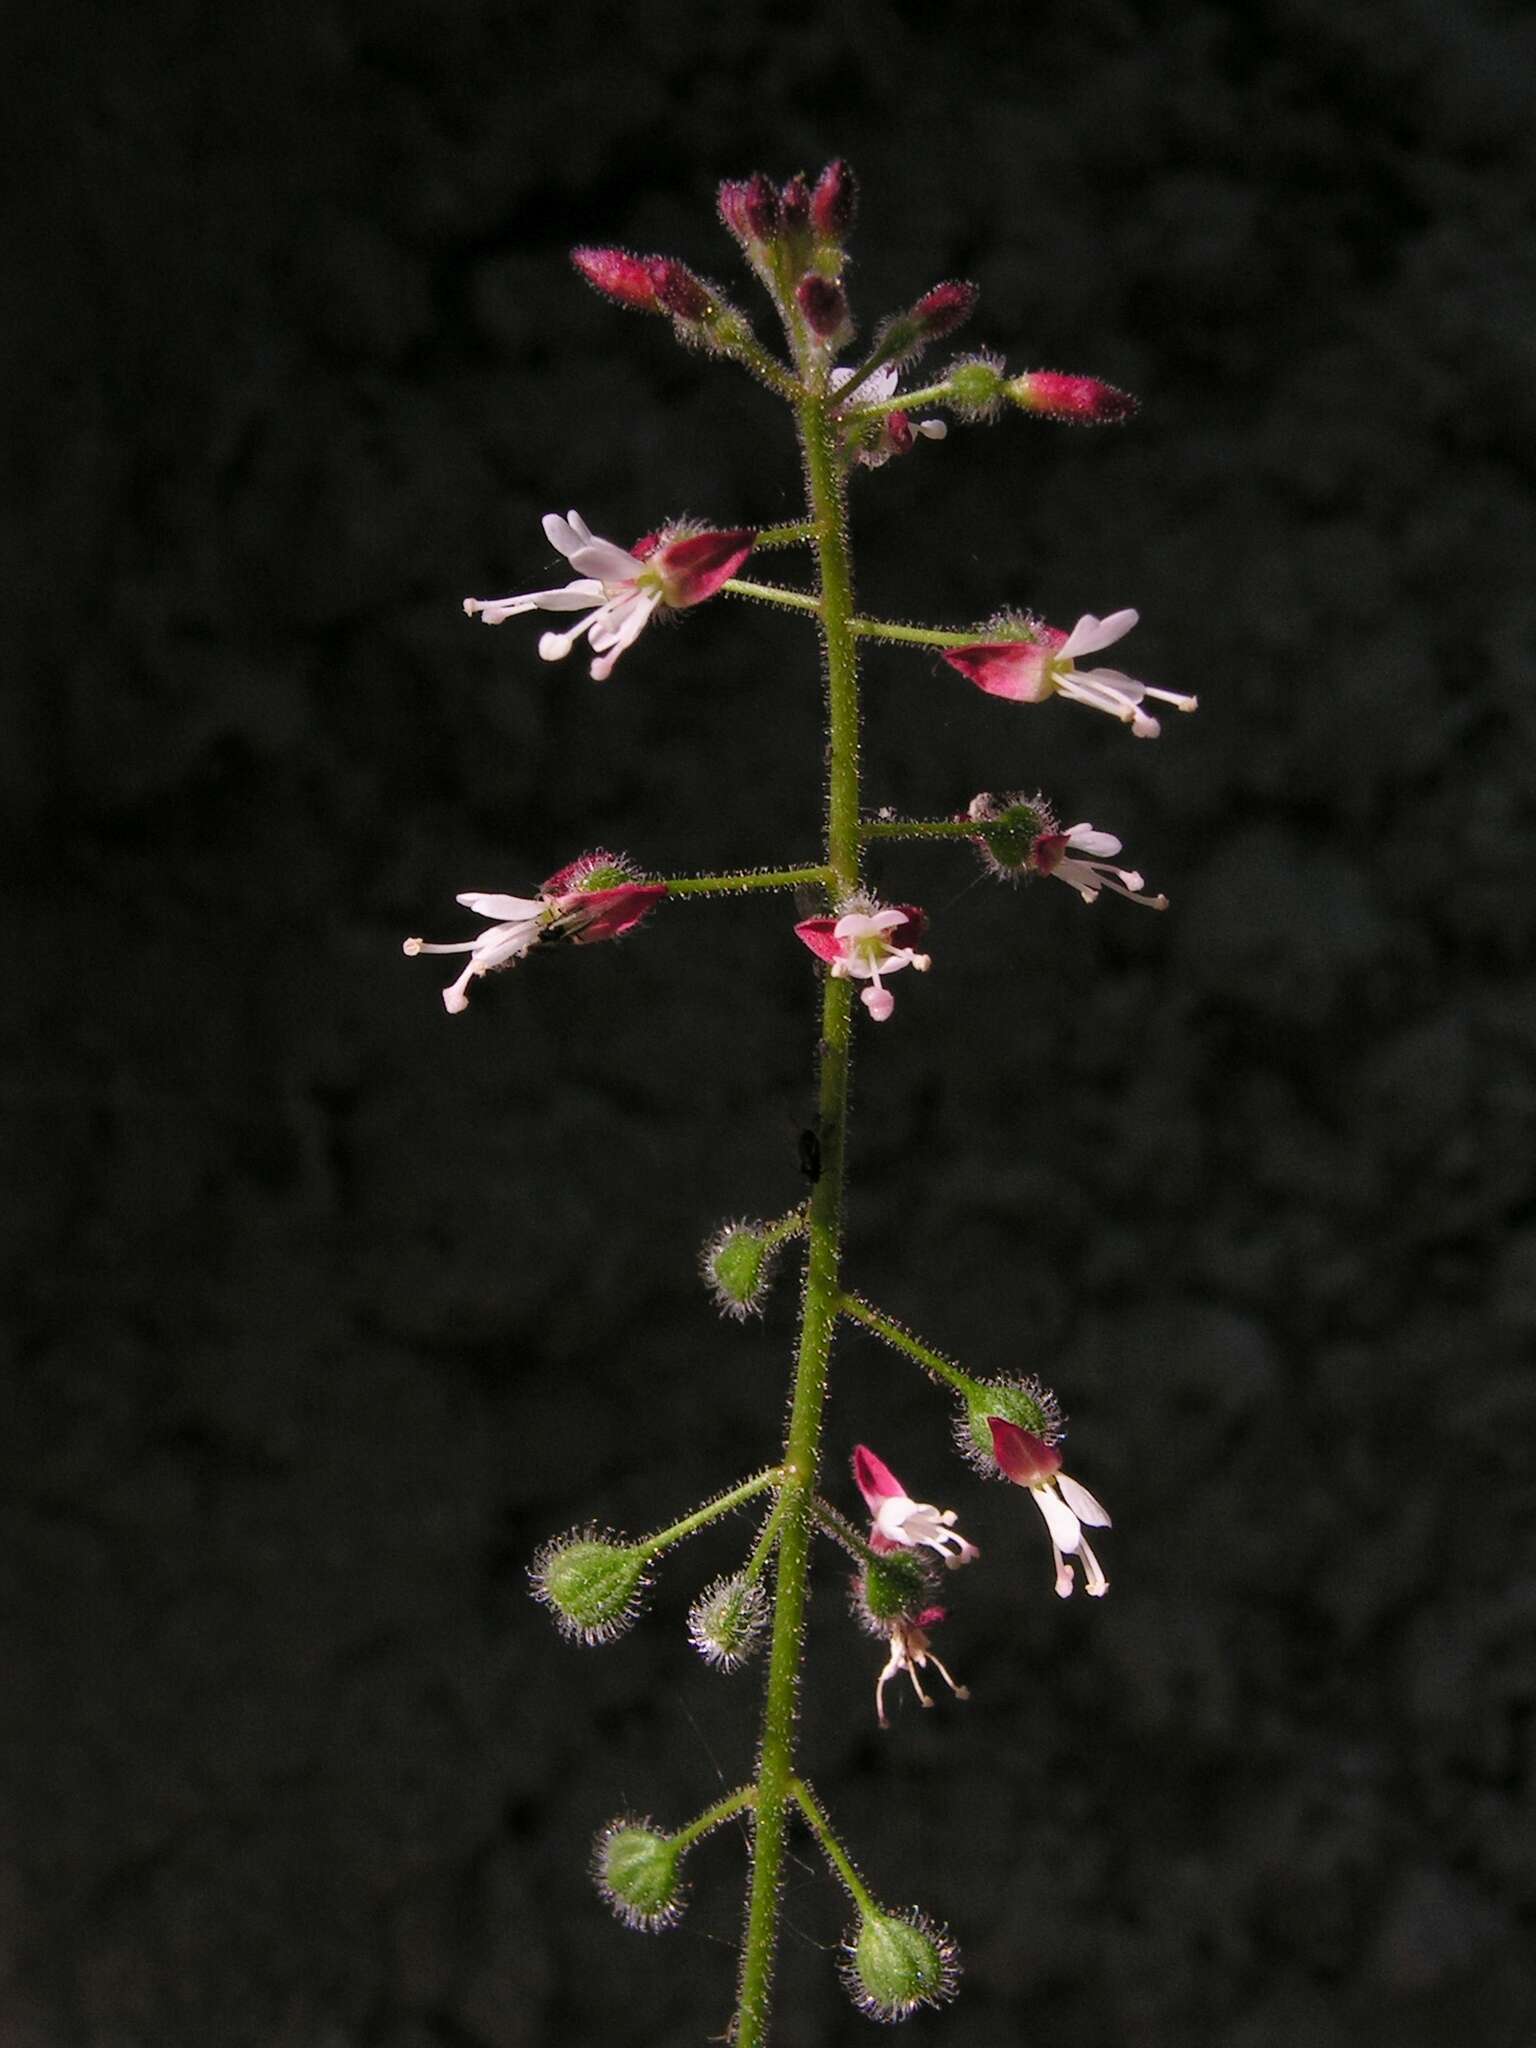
<point x="853" y="411"/>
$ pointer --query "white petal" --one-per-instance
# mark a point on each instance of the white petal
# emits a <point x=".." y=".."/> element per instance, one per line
<point x="1059" y="1518"/>
<point x="561" y="535"/>
<point x="1090" y="634"/>
<point x="1097" y="845"/>
<point x="931" y="430"/>
<point x="506" y="909"/>
<point x="1082" y="1503"/>
<point x="606" y="560"/>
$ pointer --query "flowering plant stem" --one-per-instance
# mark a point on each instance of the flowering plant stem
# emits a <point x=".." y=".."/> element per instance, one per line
<point x="823" y="1295"/>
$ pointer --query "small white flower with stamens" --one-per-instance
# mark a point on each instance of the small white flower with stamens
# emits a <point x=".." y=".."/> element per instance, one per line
<point x="1066" y="1505"/>
<point x="878" y="440"/>
<point x="898" y="1522"/>
<point x="1030" y="661"/>
<point x="620" y="589"/>
<point x="521" y="922"/>
<point x="857" y="946"/>
<point x="1081" y="857"/>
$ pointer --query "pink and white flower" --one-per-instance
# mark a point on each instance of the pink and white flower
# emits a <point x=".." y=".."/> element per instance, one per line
<point x="875" y="441"/>
<point x="1036" y="661"/>
<point x="590" y="899"/>
<point x="1081" y="857"/>
<point x="619" y="588"/>
<point x="912" y="1652"/>
<point x="1067" y="1506"/>
<point x="898" y="1522"/>
<point x="866" y="941"/>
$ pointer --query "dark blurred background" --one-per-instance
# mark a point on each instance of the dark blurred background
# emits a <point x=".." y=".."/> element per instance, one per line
<point x="325" y="1309"/>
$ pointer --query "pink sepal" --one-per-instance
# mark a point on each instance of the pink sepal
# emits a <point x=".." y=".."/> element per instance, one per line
<point x="694" y="567"/>
<point x="931" y="1617"/>
<point x="1008" y="668"/>
<point x="816" y="932"/>
<point x="1027" y="1460"/>
<point x="876" y="1481"/>
<point x="587" y="915"/>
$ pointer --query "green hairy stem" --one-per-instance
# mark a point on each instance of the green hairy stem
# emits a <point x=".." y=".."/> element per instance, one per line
<point x="822" y="1299"/>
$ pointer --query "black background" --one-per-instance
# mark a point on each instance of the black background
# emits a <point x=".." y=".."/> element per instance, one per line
<point x="328" y="1308"/>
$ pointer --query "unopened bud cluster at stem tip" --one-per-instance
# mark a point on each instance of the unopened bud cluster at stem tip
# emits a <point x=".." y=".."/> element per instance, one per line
<point x="591" y="1583"/>
<point x="895" y="1962"/>
<point x="638" y="1871"/>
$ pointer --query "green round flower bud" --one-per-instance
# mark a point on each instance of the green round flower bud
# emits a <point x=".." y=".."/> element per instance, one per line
<point x="727" y="1620"/>
<point x="894" y="1587"/>
<point x="738" y="1268"/>
<point x="1032" y="1406"/>
<point x="637" y="1870"/>
<point x="895" y="1962"/>
<point x="590" y="1583"/>
<point x="976" y="385"/>
<point x="1007" y="828"/>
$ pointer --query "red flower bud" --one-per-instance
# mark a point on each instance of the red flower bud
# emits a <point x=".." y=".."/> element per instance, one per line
<point x="834" y="202"/>
<point x="731" y="199"/>
<point x="796" y="203"/>
<point x="678" y="290"/>
<point x="619" y="276"/>
<point x="761" y="206"/>
<point x="823" y="304"/>
<point x="1061" y="397"/>
<point x="946" y="307"/>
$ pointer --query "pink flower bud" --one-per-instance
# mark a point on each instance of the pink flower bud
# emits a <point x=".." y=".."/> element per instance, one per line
<point x="678" y="290"/>
<point x="761" y="206"/>
<point x="823" y="304"/>
<point x="834" y="202"/>
<point x="731" y="199"/>
<point x="619" y="276"/>
<point x="795" y="204"/>
<point x="946" y="307"/>
<point x="1061" y="397"/>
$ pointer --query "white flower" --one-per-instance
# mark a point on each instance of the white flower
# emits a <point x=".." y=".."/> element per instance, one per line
<point x="856" y="946"/>
<point x="898" y="1522"/>
<point x="522" y="920"/>
<point x="894" y="433"/>
<point x="1031" y="1462"/>
<point x="618" y="590"/>
<point x="1032" y="661"/>
<point x="1080" y="857"/>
